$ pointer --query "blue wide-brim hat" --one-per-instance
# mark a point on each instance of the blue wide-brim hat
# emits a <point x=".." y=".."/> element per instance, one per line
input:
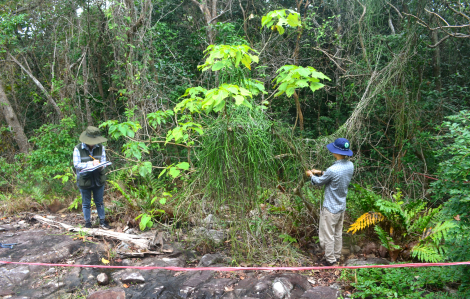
<point x="340" y="146"/>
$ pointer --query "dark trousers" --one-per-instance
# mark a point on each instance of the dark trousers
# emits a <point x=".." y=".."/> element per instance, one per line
<point x="97" y="198"/>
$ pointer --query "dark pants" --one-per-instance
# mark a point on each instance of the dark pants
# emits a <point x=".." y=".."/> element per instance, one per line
<point x="97" y="198"/>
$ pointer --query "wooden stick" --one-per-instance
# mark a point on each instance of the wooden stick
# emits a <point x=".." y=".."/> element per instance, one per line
<point x="136" y="240"/>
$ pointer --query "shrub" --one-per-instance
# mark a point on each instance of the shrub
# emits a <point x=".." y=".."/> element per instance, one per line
<point x="400" y="282"/>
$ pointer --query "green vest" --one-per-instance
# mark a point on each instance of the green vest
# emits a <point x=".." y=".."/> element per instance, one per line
<point x="96" y="178"/>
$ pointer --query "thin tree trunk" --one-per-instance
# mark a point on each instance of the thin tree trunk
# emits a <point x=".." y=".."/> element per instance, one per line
<point x="436" y="60"/>
<point x="300" y="116"/>
<point x="361" y="38"/>
<point x="85" y="92"/>
<point x="41" y="87"/>
<point x="13" y="122"/>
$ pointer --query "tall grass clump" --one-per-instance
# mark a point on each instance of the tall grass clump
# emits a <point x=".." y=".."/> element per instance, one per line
<point x="237" y="158"/>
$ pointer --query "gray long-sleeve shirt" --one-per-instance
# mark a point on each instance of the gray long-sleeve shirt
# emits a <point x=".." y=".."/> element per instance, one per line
<point x="336" y="180"/>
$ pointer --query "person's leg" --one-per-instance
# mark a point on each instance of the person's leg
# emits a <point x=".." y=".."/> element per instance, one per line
<point x="327" y="235"/>
<point x="98" y="199"/>
<point x="86" y="204"/>
<point x="339" y="235"/>
<point x="321" y="232"/>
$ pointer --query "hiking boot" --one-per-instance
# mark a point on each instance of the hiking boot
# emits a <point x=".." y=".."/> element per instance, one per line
<point x="88" y="225"/>
<point x="104" y="225"/>
<point x="328" y="264"/>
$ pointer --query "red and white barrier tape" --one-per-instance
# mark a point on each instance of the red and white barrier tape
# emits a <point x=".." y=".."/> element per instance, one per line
<point x="412" y="265"/>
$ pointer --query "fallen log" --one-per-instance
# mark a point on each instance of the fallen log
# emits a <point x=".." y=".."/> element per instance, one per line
<point x="136" y="240"/>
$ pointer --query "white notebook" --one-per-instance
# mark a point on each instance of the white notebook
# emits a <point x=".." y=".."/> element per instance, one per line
<point x="89" y="169"/>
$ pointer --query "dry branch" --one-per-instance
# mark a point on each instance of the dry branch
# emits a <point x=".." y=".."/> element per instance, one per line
<point x="136" y="240"/>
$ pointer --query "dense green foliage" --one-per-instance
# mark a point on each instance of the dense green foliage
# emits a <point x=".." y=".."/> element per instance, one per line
<point x="401" y="282"/>
<point x="218" y="107"/>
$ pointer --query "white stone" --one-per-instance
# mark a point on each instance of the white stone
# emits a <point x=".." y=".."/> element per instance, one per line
<point x="282" y="288"/>
<point x="102" y="279"/>
<point x="133" y="277"/>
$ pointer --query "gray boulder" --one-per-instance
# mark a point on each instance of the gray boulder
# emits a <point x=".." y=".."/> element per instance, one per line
<point x="115" y="293"/>
<point x="133" y="277"/>
<point x="320" y="293"/>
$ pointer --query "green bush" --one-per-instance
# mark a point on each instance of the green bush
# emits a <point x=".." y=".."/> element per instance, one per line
<point x="453" y="188"/>
<point x="400" y="282"/>
<point x="51" y="155"/>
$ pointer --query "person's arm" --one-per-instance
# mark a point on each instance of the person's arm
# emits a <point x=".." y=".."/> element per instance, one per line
<point x="77" y="161"/>
<point x="103" y="157"/>
<point x="323" y="179"/>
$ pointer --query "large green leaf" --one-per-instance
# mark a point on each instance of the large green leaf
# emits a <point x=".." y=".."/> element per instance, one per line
<point x="293" y="20"/>
<point x="239" y="100"/>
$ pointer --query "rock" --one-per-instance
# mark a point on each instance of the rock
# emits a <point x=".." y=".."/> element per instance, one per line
<point x="51" y="217"/>
<point x="370" y="248"/>
<point x="297" y="280"/>
<point x="3" y="229"/>
<point x="158" y="290"/>
<point x="261" y="286"/>
<point x="73" y="280"/>
<point x="158" y="239"/>
<point x="214" y="288"/>
<point x="383" y="252"/>
<point x="355" y="249"/>
<point x="4" y="293"/>
<point x="126" y="262"/>
<point x="320" y="293"/>
<point x="211" y="259"/>
<point x="168" y="262"/>
<point x="372" y="261"/>
<point x="133" y="277"/>
<point x="282" y="287"/>
<point x="210" y="220"/>
<point x="115" y="293"/>
<point x="406" y="254"/>
<point x="167" y="248"/>
<point x="215" y="236"/>
<point x="102" y="279"/>
<point x="196" y="279"/>
<point x="345" y="252"/>
<point x="335" y="286"/>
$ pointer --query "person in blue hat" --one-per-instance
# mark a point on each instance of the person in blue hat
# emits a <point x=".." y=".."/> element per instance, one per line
<point x="336" y="180"/>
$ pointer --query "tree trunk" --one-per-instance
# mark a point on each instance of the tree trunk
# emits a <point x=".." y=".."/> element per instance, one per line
<point x="436" y="60"/>
<point x="209" y="10"/>
<point x="85" y="92"/>
<point x="300" y="116"/>
<point x="13" y="122"/>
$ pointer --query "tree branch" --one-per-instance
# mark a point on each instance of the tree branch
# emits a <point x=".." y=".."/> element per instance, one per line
<point x="41" y="87"/>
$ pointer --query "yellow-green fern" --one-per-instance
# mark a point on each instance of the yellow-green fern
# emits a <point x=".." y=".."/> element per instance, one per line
<point x="367" y="219"/>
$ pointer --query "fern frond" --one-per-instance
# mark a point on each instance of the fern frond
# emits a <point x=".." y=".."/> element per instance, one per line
<point x="426" y="253"/>
<point x="423" y="221"/>
<point x="440" y="231"/>
<point x="389" y="209"/>
<point x="383" y="237"/>
<point x="116" y="185"/>
<point x="412" y="212"/>
<point x="367" y="219"/>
